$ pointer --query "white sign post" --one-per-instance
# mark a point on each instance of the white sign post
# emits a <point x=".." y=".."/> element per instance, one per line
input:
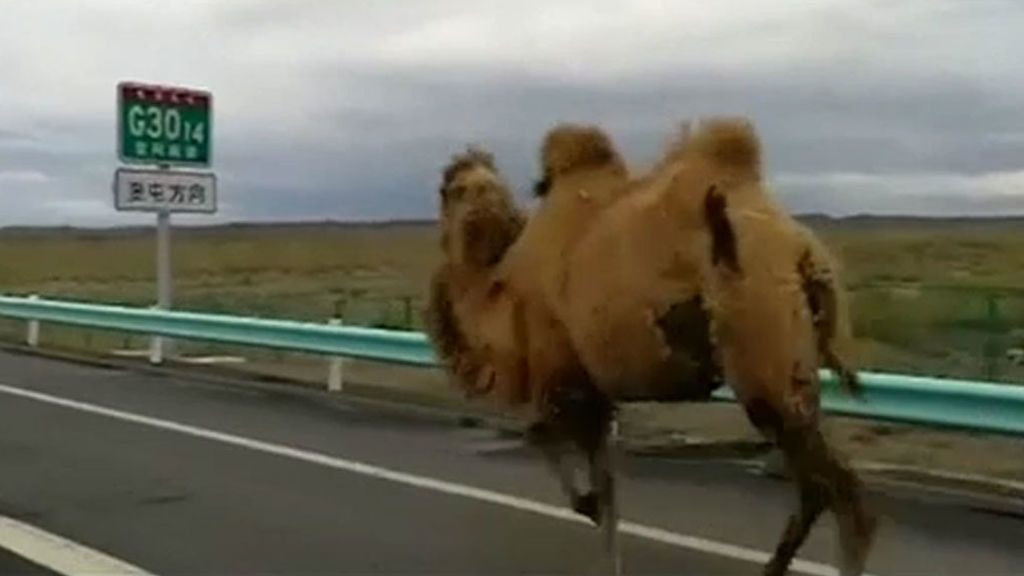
<point x="164" y="191"/>
<point x="164" y="278"/>
<point x="163" y="125"/>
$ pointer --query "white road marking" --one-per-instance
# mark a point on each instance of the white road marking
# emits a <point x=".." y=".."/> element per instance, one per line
<point x="59" y="554"/>
<point x="452" y="488"/>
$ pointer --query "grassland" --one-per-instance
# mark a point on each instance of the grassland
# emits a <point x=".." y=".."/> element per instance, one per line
<point x="941" y="297"/>
<point x="929" y="297"/>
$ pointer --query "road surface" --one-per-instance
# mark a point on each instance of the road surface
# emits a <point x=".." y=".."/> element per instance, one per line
<point x="170" y="475"/>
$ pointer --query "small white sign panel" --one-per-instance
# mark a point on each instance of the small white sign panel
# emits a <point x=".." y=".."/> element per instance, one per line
<point x="151" y="190"/>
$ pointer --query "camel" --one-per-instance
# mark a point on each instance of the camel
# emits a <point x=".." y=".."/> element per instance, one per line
<point x="495" y="340"/>
<point x="661" y="287"/>
<point x="641" y="325"/>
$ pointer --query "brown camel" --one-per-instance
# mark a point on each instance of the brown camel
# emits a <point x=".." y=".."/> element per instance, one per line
<point x="498" y="341"/>
<point x="648" y="288"/>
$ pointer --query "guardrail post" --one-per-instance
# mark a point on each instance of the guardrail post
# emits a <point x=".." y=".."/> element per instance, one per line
<point x="991" y="347"/>
<point x="156" y="346"/>
<point x="335" y="370"/>
<point x="32" y="336"/>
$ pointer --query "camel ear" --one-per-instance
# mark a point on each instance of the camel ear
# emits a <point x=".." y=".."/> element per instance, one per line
<point x="446" y="180"/>
<point x="723" y="237"/>
<point x="542" y="187"/>
<point x="444" y="190"/>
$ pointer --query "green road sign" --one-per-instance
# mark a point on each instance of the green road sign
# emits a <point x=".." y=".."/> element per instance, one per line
<point x="163" y="125"/>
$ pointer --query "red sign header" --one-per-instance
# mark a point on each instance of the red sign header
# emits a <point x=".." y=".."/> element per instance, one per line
<point x="133" y="92"/>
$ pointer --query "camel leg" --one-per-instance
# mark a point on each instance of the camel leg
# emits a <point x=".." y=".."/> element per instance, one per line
<point x="582" y="415"/>
<point x="819" y="467"/>
<point x="554" y="446"/>
<point x="589" y="416"/>
<point x="813" y="500"/>
<point x="823" y="481"/>
<point x="857" y="526"/>
<point x="602" y="481"/>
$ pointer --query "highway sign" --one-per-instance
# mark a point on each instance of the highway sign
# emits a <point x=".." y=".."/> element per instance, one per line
<point x="163" y="125"/>
<point x="154" y="190"/>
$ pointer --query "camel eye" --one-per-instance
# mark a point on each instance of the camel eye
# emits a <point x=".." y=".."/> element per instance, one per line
<point x="479" y="191"/>
<point x="452" y="193"/>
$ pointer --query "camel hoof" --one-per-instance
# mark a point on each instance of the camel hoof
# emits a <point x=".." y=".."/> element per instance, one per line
<point x="857" y="545"/>
<point x="587" y="505"/>
<point x="537" y="433"/>
<point x="774" y="568"/>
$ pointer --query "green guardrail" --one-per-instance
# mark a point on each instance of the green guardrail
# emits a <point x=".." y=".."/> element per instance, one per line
<point x="941" y="402"/>
<point x="978" y="406"/>
<point x="401" y="347"/>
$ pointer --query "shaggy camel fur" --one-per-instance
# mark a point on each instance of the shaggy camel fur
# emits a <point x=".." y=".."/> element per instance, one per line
<point x="498" y="339"/>
<point x="699" y="275"/>
<point x="612" y="239"/>
<point x="657" y="273"/>
<point x="640" y="326"/>
<point x="479" y="221"/>
<point x="772" y="308"/>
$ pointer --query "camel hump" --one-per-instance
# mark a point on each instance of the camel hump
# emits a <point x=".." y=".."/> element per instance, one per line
<point x="731" y="143"/>
<point x="568" y="147"/>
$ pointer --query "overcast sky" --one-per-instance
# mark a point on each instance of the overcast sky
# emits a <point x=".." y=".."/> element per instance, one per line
<point x="347" y="110"/>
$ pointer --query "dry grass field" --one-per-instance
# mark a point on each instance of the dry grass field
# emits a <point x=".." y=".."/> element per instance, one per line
<point x="929" y="297"/>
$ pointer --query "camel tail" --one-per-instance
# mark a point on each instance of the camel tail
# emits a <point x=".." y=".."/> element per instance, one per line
<point x="821" y="291"/>
<point x="848" y="379"/>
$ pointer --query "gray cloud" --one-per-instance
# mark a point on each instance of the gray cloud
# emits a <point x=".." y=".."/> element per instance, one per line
<point x="325" y="110"/>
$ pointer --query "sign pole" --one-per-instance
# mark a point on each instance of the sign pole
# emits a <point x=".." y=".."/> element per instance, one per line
<point x="164" y="271"/>
<point x="166" y="126"/>
<point x="164" y="276"/>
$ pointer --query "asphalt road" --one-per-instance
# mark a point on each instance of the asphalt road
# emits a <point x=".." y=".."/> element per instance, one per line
<point x="183" y="476"/>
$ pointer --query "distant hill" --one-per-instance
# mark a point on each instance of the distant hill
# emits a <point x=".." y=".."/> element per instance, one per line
<point x="128" y="231"/>
<point x="864" y="222"/>
<point x="870" y="221"/>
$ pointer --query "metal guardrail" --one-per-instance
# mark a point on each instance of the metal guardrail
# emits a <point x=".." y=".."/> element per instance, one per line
<point x="941" y="402"/>
<point x="979" y="406"/>
<point x="356" y="342"/>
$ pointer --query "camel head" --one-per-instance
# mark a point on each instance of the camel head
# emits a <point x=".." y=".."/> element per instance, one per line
<point x="569" y="148"/>
<point x="479" y="218"/>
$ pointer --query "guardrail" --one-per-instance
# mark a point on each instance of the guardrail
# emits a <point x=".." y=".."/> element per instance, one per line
<point x="350" y="341"/>
<point x="978" y="406"/>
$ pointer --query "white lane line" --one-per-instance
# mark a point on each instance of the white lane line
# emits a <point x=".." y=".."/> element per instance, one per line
<point x="59" y="554"/>
<point x="632" y="528"/>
